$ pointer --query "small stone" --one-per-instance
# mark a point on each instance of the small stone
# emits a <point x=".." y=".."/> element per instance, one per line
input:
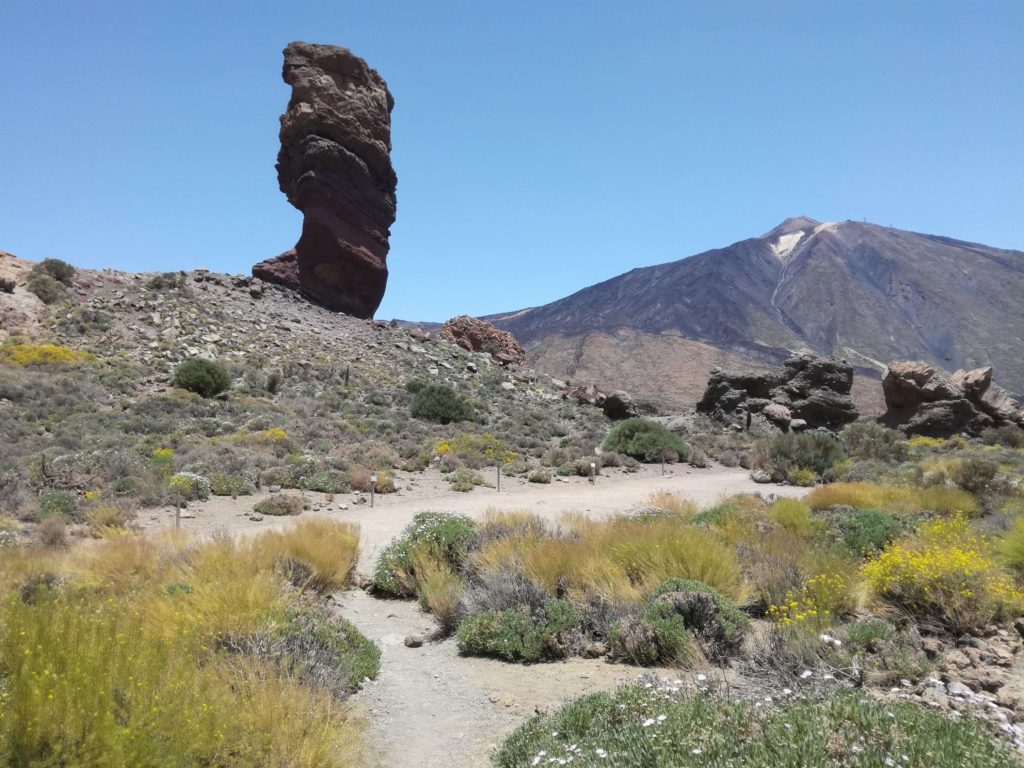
<point x="275" y="489"/>
<point x="760" y="476"/>
<point x="256" y="518"/>
<point x="413" y="641"/>
<point x="955" y="688"/>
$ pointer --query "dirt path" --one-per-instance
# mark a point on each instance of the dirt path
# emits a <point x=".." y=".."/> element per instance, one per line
<point x="429" y="706"/>
<point x="613" y="494"/>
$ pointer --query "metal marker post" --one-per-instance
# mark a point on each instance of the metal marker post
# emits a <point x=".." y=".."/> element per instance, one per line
<point x="373" y="487"/>
<point x="498" y="467"/>
<point x="593" y="472"/>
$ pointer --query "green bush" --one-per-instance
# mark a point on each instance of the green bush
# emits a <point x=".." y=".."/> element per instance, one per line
<point x="974" y="474"/>
<point x="1009" y="435"/>
<point x="870" y="441"/>
<point x="801" y="476"/>
<point x="643" y="439"/>
<point x="464" y="480"/>
<point x="866" y="532"/>
<point x="222" y="484"/>
<point x="540" y="476"/>
<point x="519" y="634"/>
<point x="59" y="504"/>
<point x="46" y="288"/>
<point x="816" y="451"/>
<point x="166" y="281"/>
<point x="450" y="537"/>
<point x="440" y="404"/>
<point x="650" y="639"/>
<point x="325" y="481"/>
<point x="717" y="623"/>
<point x="204" y="377"/>
<point x="59" y="270"/>
<point x="652" y="726"/>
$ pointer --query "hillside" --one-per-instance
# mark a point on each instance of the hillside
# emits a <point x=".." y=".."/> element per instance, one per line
<point x="868" y="293"/>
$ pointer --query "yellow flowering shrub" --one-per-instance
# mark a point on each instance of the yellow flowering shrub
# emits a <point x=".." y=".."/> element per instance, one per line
<point x="947" y="574"/>
<point x="476" y="450"/>
<point x="817" y="605"/>
<point x="41" y="354"/>
<point x="920" y="441"/>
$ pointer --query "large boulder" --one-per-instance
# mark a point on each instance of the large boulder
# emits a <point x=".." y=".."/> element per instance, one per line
<point x="619" y="406"/>
<point x="812" y="390"/>
<point x="480" y="336"/>
<point x="922" y="401"/>
<point x="335" y="166"/>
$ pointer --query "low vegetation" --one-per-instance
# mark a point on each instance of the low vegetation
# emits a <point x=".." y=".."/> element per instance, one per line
<point x="169" y="653"/>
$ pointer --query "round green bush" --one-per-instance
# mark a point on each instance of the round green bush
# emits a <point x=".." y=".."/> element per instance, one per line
<point x="450" y="535"/>
<point x="519" y="634"/>
<point x="643" y="439"/>
<point x="59" y="270"/>
<point x="204" y="377"/>
<point x="440" y="404"/>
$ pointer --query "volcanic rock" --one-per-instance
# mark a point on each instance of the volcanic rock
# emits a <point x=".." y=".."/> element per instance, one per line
<point x="810" y="389"/>
<point x="335" y="166"/>
<point x="921" y="401"/>
<point x="620" y="405"/>
<point x="480" y="336"/>
<point x="585" y="395"/>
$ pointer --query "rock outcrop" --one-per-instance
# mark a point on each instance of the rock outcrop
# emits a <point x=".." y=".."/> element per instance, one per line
<point x="921" y="401"/>
<point x="335" y="166"/>
<point x="480" y="336"/>
<point x="810" y="391"/>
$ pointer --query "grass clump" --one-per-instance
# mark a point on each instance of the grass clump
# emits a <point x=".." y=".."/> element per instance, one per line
<point x="327" y="551"/>
<point x="644" y="440"/>
<point x="449" y="535"/>
<point x="652" y="726"/>
<point x="204" y="377"/>
<point x="519" y="634"/>
<point x="440" y="404"/>
<point x="946" y="576"/>
<point x="892" y="498"/>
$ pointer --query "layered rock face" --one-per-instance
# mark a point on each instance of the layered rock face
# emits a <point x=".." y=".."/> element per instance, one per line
<point x="809" y="391"/>
<point x="480" y="336"/>
<point x="335" y="166"/>
<point x="921" y="401"/>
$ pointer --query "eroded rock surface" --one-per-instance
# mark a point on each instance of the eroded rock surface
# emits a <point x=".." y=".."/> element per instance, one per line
<point x="335" y="166"/>
<point x="922" y="401"/>
<point x="810" y="391"/>
<point x="480" y="336"/>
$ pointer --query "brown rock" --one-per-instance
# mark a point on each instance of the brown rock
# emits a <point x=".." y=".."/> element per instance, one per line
<point x="480" y="336"/>
<point x="334" y="165"/>
<point x="588" y="395"/>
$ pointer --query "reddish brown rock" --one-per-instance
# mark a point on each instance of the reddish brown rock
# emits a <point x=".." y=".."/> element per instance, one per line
<point x="480" y="336"/>
<point x="335" y="166"/>
<point x="921" y="401"/>
<point x="585" y="395"/>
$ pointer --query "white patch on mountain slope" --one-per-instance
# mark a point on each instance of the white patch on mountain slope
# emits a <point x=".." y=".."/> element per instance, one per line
<point x="785" y="244"/>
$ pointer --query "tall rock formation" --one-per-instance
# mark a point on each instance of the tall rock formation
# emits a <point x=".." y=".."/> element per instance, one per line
<point x="335" y="166"/>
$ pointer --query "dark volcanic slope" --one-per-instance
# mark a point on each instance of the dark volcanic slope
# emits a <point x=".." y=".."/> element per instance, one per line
<point x="872" y="294"/>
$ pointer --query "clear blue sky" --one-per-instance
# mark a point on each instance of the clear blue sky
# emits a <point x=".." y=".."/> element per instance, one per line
<point x="540" y="146"/>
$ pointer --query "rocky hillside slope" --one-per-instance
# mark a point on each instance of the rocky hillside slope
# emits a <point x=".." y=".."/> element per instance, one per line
<point x="868" y="293"/>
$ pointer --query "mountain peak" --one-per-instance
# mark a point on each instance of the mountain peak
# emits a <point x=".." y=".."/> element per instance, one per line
<point x="791" y="226"/>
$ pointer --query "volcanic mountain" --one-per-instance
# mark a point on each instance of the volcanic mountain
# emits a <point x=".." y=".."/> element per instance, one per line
<point x="868" y="293"/>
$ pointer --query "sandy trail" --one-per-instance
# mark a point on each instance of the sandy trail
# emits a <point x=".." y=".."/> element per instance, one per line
<point x="429" y="706"/>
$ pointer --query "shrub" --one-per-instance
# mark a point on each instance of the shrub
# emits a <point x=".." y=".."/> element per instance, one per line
<point x="52" y="533"/>
<point x="7" y="285"/>
<point x="325" y="481"/>
<point x="441" y="404"/>
<point x="40" y="354"/>
<point x="946" y="575"/>
<point x="650" y="639"/>
<point x="818" y="604"/>
<point x="801" y="476"/>
<point x="48" y="290"/>
<point x="643" y="439"/>
<point x="870" y="441"/>
<point x="793" y="515"/>
<point x="866" y="532"/>
<point x="106" y="517"/>
<point x="166" y="281"/>
<point x="359" y="479"/>
<point x="974" y="473"/>
<point x="190" y="486"/>
<point x="1009" y="435"/>
<point x="222" y="484"/>
<point x="672" y="503"/>
<point x="656" y="725"/>
<point x="451" y="535"/>
<point x="716" y="621"/>
<point x="204" y="377"/>
<point x="541" y="476"/>
<point x="59" y="270"/>
<point x="438" y="588"/>
<point x="464" y="480"/>
<point x="279" y="505"/>
<point x="1011" y="546"/>
<point x="58" y="504"/>
<point x="519" y="634"/>
<point x="816" y="451"/>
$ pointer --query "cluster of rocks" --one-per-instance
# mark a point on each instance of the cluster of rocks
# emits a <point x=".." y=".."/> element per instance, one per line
<point x="475" y="335"/>
<point x="809" y="392"/>
<point x="335" y="166"/>
<point x="616" y="406"/>
<point x="921" y="401"/>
